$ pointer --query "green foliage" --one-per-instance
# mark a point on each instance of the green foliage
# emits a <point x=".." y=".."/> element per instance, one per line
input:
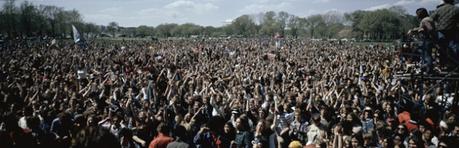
<point x="31" y="20"/>
<point x="113" y="28"/>
<point x="383" y="24"/>
<point x="244" y="25"/>
<point x="165" y="30"/>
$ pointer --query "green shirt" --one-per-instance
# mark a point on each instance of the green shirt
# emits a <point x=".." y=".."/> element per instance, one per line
<point x="446" y="17"/>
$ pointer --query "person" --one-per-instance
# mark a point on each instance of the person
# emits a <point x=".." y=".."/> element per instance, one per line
<point x="113" y="124"/>
<point x="61" y="127"/>
<point x="95" y="137"/>
<point x="315" y="132"/>
<point x="313" y="93"/>
<point x="260" y="137"/>
<point x="229" y="133"/>
<point x="298" y="127"/>
<point x="180" y="135"/>
<point x="367" y="121"/>
<point x="446" y="17"/>
<point x="427" y="33"/>
<point x="209" y="134"/>
<point x="243" y="138"/>
<point x="295" y="144"/>
<point x="162" y="139"/>
<point x="125" y="138"/>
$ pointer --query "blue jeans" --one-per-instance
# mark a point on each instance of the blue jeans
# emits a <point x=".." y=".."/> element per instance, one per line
<point x="426" y="54"/>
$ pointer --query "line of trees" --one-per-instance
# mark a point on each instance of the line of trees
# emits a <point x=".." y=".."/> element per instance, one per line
<point x="31" y="20"/>
<point x="384" y="24"/>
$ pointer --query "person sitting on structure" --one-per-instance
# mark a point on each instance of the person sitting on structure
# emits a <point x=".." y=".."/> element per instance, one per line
<point x="426" y="32"/>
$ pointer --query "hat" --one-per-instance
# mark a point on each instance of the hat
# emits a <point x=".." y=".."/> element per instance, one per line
<point x="295" y="144"/>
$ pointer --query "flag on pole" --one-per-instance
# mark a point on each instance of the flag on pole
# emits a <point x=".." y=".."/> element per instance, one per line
<point x="76" y="35"/>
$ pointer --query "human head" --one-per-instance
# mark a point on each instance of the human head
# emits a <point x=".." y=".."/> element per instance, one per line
<point x="367" y="138"/>
<point x="241" y="123"/>
<point x="397" y="139"/>
<point x="422" y="13"/>
<point x="448" y="1"/>
<point x="316" y="119"/>
<point x="180" y="132"/>
<point x="65" y="119"/>
<point x="261" y="125"/>
<point x="455" y="131"/>
<point x="356" y="141"/>
<point x="228" y="128"/>
<point x="295" y="144"/>
<point x="414" y="142"/>
<point x="162" y="128"/>
<point x="427" y="134"/>
<point x="178" y="118"/>
<point x="401" y="129"/>
<point x="95" y="137"/>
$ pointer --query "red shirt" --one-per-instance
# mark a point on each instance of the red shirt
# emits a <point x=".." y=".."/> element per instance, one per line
<point x="160" y="141"/>
<point x="405" y="118"/>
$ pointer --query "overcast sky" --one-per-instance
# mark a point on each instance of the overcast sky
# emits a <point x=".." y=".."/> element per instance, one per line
<point x="213" y="12"/>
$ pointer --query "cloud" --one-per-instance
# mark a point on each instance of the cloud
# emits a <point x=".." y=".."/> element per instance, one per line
<point x="149" y="11"/>
<point x="110" y="10"/>
<point x="103" y="15"/>
<point x="256" y="8"/>
<point x="159" y="15"/>
<point x="228" y="21"/>
<point x="383" y="6"/>
<point x="321" y="1"/>
<point x="100" y="17"/>
<point x="405" y="3"/>
<point x="191" y="6"/>
<point x="180" y="11"/>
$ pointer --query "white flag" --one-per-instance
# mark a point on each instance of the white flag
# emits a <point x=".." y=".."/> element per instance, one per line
<point x="53" y="42"/>
<point x="76" y="35"/>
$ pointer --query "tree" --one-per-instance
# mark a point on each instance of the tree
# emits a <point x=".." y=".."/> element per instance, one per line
<point x="297" y="26"/>
<point x="113" y="28"/>
<point x="50" y="13"/>
<point x="92" y="29"/>
<point x="27" y="16"/>
<point x="244" y="25"/>
<point x="186" y="30"/>
<point x="383" y="24"/>
<point x="165" y="30"/>
<point x="314" y="23"/>
<point x="9" y="17"/>
<point x="143" y="31"/>
<point x="282" y="20"/>
<point x="269" y="25"/>
<point x="355" y="18"/>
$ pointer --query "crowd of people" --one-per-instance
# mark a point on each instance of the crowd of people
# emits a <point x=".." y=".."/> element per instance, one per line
<point x="216" y="93"/>
<point x="219" y="93"/>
